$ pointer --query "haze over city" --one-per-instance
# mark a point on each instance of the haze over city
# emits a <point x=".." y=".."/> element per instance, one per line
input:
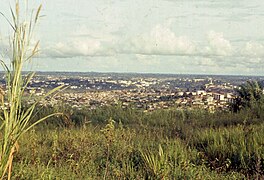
<point x="150" y="36"/>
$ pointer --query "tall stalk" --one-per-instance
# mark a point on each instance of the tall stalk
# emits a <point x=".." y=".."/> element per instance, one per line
<point x="15" y="120"/>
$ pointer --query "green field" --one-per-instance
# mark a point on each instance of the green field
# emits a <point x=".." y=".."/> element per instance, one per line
<point x="116" y="143"/>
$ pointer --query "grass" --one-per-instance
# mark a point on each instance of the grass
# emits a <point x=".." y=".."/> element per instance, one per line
<point x="114" y="150"/>
<point x="237" y="148"/>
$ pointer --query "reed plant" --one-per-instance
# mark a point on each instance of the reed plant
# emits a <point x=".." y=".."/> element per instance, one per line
<point x="238" y="148"/>
<point x="15" y="119"/>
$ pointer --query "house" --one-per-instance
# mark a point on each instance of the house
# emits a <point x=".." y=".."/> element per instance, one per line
<point x="201" y="92"/>
<point x="219" y="97"/>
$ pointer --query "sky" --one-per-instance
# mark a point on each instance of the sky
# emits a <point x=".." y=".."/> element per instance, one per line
<point x="147" y="36"/>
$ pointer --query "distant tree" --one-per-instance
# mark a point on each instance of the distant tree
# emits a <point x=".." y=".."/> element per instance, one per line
<point x="248" y="95"/>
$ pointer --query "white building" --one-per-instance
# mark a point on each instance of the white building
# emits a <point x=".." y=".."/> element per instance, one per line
<point x="201" y="92"/>
<point x="219" y="97"/>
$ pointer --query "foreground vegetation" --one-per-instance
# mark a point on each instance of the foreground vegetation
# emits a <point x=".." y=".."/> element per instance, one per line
<point x="116" y="143"/>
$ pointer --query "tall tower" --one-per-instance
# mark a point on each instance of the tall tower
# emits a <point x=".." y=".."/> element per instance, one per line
<point x="211" y="81"/>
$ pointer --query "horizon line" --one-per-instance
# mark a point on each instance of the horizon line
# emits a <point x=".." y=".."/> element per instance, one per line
<point x="142" y="73"/>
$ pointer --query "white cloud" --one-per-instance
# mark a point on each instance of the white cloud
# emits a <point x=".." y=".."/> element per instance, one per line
<point x="161" y="41"/>
<point x="218" y="45"/>
<point x="207" y="62"/>
<point x="83" y="42"/>
<point x="253" y="49"/>
<point x="78" y="47"/>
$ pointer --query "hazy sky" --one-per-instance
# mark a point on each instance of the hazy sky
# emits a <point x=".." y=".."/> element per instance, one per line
<point x="163" y="36"/>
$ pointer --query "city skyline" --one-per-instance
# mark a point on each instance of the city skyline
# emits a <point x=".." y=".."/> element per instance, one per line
<point x="150" y="36"/>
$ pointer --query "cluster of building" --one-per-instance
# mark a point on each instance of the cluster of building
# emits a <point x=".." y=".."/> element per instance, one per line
<point x="211" y="97"/>
<point x="148" y="99"/>
<point x="146" y="92"/>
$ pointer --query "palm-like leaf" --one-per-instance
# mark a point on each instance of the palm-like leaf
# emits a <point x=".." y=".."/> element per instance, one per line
<point x="248" y="93"/>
